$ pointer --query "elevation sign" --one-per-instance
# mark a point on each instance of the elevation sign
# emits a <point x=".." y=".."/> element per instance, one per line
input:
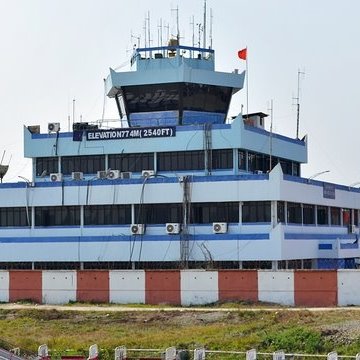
<point x="131" y="133"/>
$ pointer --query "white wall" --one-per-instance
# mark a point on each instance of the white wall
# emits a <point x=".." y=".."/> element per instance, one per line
<point x="59" y="287"/>
<point x="4" y="286"/>
<point x="348" y="287"/>
<point x="276" y="287"/>
<point x="199" y="287"/>
<point x="127" y="287"/>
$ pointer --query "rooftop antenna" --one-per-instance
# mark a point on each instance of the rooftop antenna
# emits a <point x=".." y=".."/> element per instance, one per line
<point x="74" y="110"/>
<point x="204" y="32"/>
<point x="211" y="27"/>
<point x="168" y="32"/>
<point x="298" y="103"/>
<point x="199" y="31"/>
<point x="160" y="30"/>
<point x="192" y="24"/>
<point x="271" y="133"/>
<point x="145" y="37"/>
<point x="177" y="23"/>
<point x="148" y="28"/>
<point x="133" y="37"/>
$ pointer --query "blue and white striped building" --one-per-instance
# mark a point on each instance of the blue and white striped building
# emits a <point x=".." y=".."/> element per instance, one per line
<point x="174" y="184"/>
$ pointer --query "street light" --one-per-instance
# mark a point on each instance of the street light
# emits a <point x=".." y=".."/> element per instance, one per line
<point x="317" y="174"/>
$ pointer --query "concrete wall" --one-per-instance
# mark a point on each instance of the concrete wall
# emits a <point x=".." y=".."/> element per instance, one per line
<point x="58" y="287"/>
<point x="348" y="287"/>
<point x="276" y="287"/>
<point x="313" y="288"/>
<point x="199" y="287"/>
<point x="4" y="286"/>
<point x="127" y="287"/>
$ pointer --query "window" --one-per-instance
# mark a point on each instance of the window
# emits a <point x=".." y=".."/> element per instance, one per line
<point x="294" y="213"/>
<point x="222" y="159"/>
<point x="281" y="211"/>
<point x="308" y="214"/>
<point x="251" y="162"/>
<point x="356" y="217"/>
<point x="257" y="265"/>
<point x="346" y="215"/>
<point x="107" y="215"/>
<point x="174" y="96"/>
<point x="181" y="160"/>
<point x="131" y="162"/>
<point x="46" y="165"/>
<point x="158" y="213"/>
<point x="242" y="160"/>
<point x="15" y="216"/>
<point x="286" y="167"/>
<point x="205" y="213"/>
<point x="57" y="215"/>
<point x="256" y="211"/>
<point x="322" y="215"/>
<point x="89" y="164"/>
<point x="295" y="169"/>
<point x="335" y="216"/>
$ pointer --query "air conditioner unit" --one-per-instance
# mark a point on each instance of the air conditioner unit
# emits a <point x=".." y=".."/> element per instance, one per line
<point x="137" y="229"/>
<point x="126" y="174"/>
<point x="101" y="174"/>
<point x="113" y="174"/>
<point x="56" y="177"/>
<point x="147" y="173"/>
<point x="53" y="127"/>
<point x="258" y="171"/>
<point x="172" y="228"/>
<point x="220" y="228"/>
<point x="77" y="175"/>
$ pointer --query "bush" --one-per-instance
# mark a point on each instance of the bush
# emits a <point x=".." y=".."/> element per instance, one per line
<point x="298" y="338"/>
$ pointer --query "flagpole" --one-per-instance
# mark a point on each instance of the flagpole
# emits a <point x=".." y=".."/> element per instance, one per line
<point x="247" y="85"/>
<point x="242" y="54"/>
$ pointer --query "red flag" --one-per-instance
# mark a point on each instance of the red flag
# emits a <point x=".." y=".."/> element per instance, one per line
<point x="242" y="54"/>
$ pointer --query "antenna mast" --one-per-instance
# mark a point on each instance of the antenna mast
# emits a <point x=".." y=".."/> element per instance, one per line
<point x="271" y="133"/>
<point x="168" y="32"/>
<point x="298" y="103"/>
<point x="148" y="19"/>
<point x="74" y="110"/>
<point x="204" y="33"/>
<point x="177" y="23"/>
<point x="136" y="38"/>
<point x="211" y="28"/>
<point x="160" y="30"/>
<point x="192" y="23"/>
<point x="145" y="37"/>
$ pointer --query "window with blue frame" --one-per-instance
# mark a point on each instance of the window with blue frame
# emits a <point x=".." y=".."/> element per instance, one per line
<point x="256" y="211"/>
<point x="135" y="162"/>
<point x="107" y="214"/>
<point x="46" y="165"/>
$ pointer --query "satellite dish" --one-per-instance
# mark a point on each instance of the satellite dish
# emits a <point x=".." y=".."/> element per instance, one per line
<point x="3" y="168"/>
<point x="3" y="171"/>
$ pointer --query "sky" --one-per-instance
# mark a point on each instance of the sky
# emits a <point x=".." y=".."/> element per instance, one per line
<point x="55" y="51"/>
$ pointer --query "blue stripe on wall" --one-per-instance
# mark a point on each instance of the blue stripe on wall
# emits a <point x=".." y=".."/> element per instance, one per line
<point x="156" y="180"/>
<point x="299" y="236"/>
<point x="125" y="238"/>
<point x="325" y="246"/>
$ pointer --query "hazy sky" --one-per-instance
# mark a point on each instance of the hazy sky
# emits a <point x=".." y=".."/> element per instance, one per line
<point x="53" y="51"/>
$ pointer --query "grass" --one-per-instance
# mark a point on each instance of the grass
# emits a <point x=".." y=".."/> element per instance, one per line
<point x="295" y="332"/>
